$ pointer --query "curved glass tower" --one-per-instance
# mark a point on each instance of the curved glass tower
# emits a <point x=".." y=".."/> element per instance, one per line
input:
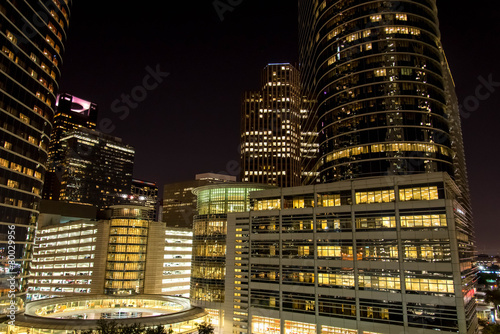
<point x="208" y="271"/>
<point x="383" y="103"/>
<point x="375" y="70"/>
<point x="32" y="38"/>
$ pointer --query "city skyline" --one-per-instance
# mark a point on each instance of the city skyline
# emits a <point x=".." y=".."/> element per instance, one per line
<point x="227" y="54"/>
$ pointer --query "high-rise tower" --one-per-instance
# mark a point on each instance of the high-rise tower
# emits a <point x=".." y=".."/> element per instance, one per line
<point x="96" y="168"/>
<point x="270" y="129"/>
<point x="376" y="74"/>
<point x="32" y="37"/>
<point x="72" y="113"/>
<point x="384" y="244"/>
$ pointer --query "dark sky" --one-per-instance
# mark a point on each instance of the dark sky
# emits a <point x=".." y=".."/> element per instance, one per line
<point x="189" y="123"/>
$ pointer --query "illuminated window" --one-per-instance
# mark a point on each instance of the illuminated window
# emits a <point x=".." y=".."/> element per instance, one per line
<point x="419" y="194"/>
<point x="16" y="167"/>
<point x="12" y="184"/>
<point x="402" y="30"/>
<point x="261" y="325"/>
<point x="337" y="330"/>
<point x="268" y="204"/>
<point x="379" y="282"/>
<point x="377" y="196"/>
<point x="423" y="221"/>
<point x="376" y="222"/>
<point x="299" y="327"/>
<point x="402" y="17"/>
<point x="344" y="252"/>
<point x="342" y="280"/>
<point x="330" y="200"/>
<point x="429" y="285"/>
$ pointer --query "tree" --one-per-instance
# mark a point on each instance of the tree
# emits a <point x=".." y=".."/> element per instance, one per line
<point x="106" y="327"/>
<point x="493" y="297"/>
<point x="158" y="330"/>
<point x="131" y="329"/>
<point x="205" y="328"/>
<point x="491" y="329"/>
<point x="485" y="279"/>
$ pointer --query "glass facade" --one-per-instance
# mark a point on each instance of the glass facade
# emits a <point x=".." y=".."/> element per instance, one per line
<point x="79" y="314"/>
<point x="128" y="239"/>
<point x="379" y="87"/>
<point x="208" y="271"/>
<point x="270" y="129"/>
<point x="381" y="97"/>
<point x="30" y="64"/>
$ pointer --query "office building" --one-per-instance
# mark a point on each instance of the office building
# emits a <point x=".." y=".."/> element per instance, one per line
<point x="97" y="168"/>
<point x="378" y="76"/>
<point x="69" y="259"/>
<point x="30" y="65"/>
<point x="270" y="129"/>
<point x="168" y="269"/>
<point x="179" y="202"/>
<point x="143" y="193"/>
<point x="71" y="114"/>
<point x="374" y="255"/>
<point x="75" y="254"/>
<point x="385" y="244"/>
<point x="214" y="203"/>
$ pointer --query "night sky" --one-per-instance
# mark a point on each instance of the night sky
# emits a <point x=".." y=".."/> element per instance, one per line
<point x="188" y="121"/>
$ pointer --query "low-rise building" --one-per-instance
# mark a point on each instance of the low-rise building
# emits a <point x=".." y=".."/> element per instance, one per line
<point x="127" y="254"/>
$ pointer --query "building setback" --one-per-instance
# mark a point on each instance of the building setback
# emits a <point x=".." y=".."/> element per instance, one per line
<point x="29" y="73"/>
<point x="270" y="129"/>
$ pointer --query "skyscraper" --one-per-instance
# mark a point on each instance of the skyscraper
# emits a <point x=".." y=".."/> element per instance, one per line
<point x="96" y="168"/>
<point x="385" y="243"/>
<point x="383" y="94"/>
<point x="270" y="129"/>
<point x="376" y="73"/>
<point x="32" y="38"/>
<point x="72" y="113"/>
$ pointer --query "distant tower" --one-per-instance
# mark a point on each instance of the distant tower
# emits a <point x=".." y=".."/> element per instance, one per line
<point x="96" y="168"/>
<point x="179" y="202"/>
<point x="72" y="113"/>
<point x="270" y="129"/>
<point x="32" y="42"/>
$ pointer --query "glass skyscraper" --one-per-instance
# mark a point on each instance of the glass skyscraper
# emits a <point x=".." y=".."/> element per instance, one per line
<point x="32" y="38"/>
<point x="384" y="243"/>
<point x="208" y="271"/>
<point x="378" y="76"/>
<point x="72" y="113"/>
